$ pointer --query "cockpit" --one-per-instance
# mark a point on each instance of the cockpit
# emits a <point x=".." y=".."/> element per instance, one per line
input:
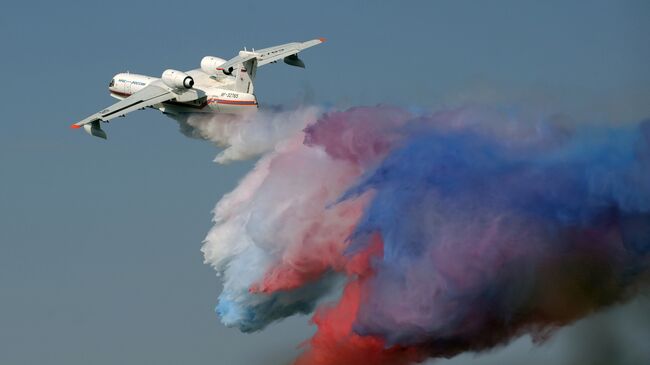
<point x="112" y="83"/>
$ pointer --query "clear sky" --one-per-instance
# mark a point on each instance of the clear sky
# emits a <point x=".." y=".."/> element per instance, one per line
<point x="99" y="240"/>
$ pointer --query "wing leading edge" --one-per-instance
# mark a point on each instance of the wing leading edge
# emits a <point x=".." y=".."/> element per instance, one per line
<point x="271" y="54"/>
<point x="150" y="95"/>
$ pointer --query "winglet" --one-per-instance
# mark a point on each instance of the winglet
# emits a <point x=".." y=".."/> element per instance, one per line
<point x="75" y="126"/>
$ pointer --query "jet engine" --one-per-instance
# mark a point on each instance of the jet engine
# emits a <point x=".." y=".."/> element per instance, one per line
<point x="209" y="64"/>
<point x="177" y="79"/>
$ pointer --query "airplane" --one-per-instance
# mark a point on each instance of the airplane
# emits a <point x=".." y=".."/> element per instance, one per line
<point x="218" y="86"/>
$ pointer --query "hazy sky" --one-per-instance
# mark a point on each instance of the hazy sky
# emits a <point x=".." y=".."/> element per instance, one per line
<point x="99" y="240"/>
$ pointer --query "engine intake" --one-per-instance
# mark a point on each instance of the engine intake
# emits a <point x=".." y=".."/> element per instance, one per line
<point x="177" y="79"/>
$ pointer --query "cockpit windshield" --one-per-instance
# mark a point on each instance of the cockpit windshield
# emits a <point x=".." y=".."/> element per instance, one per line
<point x="112" y="83"/>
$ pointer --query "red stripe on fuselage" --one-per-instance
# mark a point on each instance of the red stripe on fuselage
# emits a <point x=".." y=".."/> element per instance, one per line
<point x="119" y="93"/>
<point x="233" y="102"/>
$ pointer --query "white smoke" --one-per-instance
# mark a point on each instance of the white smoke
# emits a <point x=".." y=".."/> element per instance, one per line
<point x="247" y="136"/>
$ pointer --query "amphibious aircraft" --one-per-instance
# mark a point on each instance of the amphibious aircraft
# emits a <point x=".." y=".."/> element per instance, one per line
<point x="218" y="86"/>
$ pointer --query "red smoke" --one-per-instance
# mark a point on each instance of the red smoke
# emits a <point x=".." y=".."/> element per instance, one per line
<point x="336" y="343"/>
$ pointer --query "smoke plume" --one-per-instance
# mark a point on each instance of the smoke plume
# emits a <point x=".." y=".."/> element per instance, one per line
<point x="453" y="231"/>
<point x="246" y="136"/>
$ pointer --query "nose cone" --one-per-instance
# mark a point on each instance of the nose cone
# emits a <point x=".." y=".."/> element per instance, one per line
<point x="112" y="83"/>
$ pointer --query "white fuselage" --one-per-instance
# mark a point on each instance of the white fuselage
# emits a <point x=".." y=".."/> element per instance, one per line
<point x="212" y="93"/>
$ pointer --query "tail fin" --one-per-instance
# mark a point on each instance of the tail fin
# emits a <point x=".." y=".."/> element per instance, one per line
<point x="245" y="76"/>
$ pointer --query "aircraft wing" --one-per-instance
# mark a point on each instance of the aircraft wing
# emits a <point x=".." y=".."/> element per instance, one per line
<point x="272" y="54"/>
<point x="149" y="95"/>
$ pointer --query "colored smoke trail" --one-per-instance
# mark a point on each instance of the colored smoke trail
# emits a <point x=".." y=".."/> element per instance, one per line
<point x="454" y="231"/>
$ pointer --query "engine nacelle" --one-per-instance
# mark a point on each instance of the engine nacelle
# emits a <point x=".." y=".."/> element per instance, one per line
<point x="209" y="64"/>
<point x="177" y="79"/>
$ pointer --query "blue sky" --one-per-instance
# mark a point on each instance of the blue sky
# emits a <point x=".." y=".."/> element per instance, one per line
<point x="99" y="240"/>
